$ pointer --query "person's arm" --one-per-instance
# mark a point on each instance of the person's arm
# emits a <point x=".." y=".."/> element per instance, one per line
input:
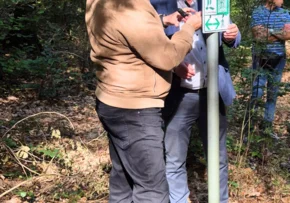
<point x="145" y="36"/>
<point x="173" y="18"/>
<point x="283" y="35"/>
<point x="261" y="34"/>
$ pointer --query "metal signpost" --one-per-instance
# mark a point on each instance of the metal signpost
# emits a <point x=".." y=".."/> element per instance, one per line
<point x="215" y="18"/>
<point x="213" y="119"/>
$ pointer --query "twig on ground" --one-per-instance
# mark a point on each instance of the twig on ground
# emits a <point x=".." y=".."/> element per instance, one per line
<point x="19" y="162"/>
<point x="106" y="196"/>
<point x="37" y="115"/>
<point x="15" y="187"/>
<point x="67" y="52"/>
<point x="24" y="182"/>
<point x="98" y="138"/>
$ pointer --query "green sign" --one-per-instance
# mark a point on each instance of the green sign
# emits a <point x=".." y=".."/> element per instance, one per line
<point x="223" y="7"/>
<point x="209" y="5"/>
<point x="209" y="23"/>
<point x="215" y="15"/>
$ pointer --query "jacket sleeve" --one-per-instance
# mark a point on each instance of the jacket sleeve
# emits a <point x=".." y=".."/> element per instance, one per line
<point x="144" y="34"/>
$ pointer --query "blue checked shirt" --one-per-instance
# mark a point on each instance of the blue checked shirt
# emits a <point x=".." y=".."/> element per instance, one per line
<point x="275" y="20"/>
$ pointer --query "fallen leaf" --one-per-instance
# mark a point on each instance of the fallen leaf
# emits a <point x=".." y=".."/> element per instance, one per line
<point x="56" y="134"/>
<point x="12" y="98"/>
<point x="13" y="200"/>
<point x="254" y="194"/>
<point x="23" y="152"/>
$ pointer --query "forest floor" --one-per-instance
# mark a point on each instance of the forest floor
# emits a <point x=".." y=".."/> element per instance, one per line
<point x="57" y="151"/>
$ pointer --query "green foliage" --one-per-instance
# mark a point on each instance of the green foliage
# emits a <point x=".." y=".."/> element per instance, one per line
<point x="287" y="4"/>
<point x="259" y="145"/>
<point x="72" y="196"/>
<point x="10" y="142"/>
<point x="22" y="194"/>
<point x="49" y="70"/>
<point x="50" y="153"/>
<point x="14" y="174"/>
<point x="233" y="184"/>
<point x="26" y="195"/>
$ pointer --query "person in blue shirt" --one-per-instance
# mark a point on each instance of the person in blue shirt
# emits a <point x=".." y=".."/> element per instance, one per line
<point x="271" y="28"/>
<point x="186" y="104"/>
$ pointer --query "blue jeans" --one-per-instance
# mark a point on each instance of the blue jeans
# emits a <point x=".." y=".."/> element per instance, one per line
<point x="136" y="142"/>
<point x="272" y="77"/>
<point x="182" y="110"/>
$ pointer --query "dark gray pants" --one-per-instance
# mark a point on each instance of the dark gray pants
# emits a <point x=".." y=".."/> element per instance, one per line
<point x="137" y="154"/>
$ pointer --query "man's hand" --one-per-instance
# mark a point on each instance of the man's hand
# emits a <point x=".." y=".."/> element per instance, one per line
<point x="286" y="30"/>
<point x="195" y="20"/>
<point x="175" y="18"/>
<point x="231" y="33"/>
<point x="184" y="70"/>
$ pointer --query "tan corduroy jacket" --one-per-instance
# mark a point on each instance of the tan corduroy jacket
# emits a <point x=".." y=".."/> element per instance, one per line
<point x="133" y="55"/>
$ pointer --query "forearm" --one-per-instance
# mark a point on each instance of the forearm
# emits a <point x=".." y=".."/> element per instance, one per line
<point x="166" y="20"/>
<point x="283" y="35"/>
<point x="160" y="52"/>
<point x="173" y="53"/>
<point x="262" y="34"/>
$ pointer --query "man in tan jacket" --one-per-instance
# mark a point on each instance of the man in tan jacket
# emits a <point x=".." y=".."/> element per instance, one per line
<point x="134" y="59"/>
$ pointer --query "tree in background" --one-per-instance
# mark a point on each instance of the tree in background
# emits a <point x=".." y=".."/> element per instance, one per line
<point x="23" y="31"/>
<point x="39" y="41"/>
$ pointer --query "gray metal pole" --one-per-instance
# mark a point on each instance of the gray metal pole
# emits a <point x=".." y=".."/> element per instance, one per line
<point x="213" y="119"/>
